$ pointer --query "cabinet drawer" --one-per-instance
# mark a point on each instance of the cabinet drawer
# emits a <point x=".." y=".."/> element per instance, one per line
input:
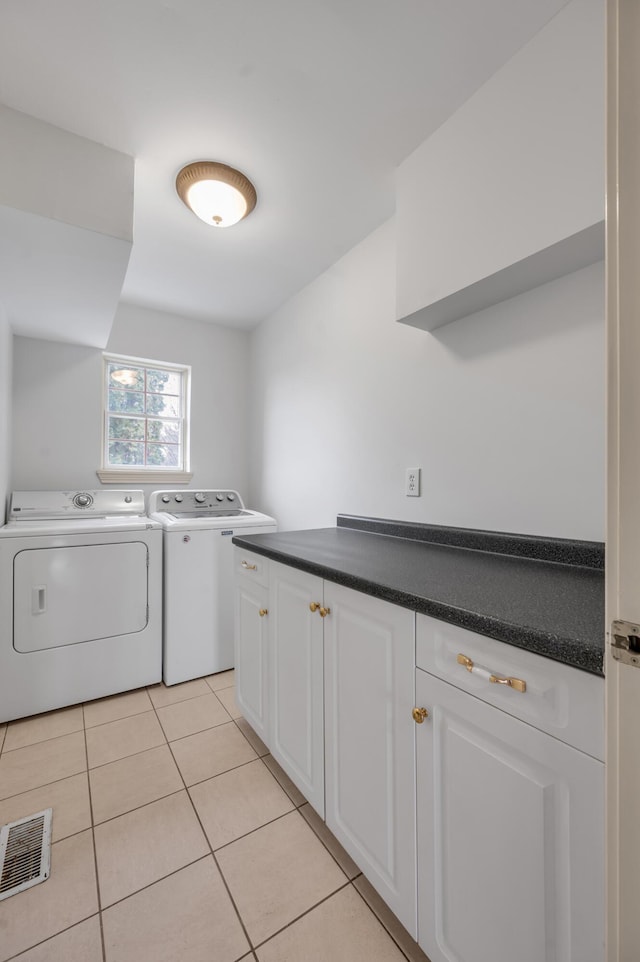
<point x="563" y="701"/>
<point x="253" y="567"/>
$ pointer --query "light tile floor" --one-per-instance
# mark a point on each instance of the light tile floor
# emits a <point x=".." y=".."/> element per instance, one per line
<point x="178" y="838"/>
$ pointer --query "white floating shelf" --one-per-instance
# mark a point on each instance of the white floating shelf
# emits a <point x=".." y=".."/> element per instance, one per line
<point x="568" y="255"/>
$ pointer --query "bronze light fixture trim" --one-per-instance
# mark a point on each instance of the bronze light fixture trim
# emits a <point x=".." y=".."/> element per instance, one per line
<point x="216" y="193"/>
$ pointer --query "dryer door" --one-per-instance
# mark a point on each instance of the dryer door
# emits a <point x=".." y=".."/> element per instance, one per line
<point x="73" y="594"/>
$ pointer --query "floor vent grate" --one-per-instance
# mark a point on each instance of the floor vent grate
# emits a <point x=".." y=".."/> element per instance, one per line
<point x="25" y="853"/>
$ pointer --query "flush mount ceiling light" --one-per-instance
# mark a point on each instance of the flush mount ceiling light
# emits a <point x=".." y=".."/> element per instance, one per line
<point x="217" y="194"/>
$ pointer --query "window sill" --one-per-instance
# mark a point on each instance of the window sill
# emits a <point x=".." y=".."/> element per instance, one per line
<point x="143" y="476"/>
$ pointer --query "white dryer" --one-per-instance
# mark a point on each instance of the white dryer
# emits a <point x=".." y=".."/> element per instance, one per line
<point x="80" y="599"/>
<point x="198" y="577"/>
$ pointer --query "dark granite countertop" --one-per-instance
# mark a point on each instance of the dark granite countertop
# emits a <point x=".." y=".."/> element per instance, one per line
<point x="503" y="586"/>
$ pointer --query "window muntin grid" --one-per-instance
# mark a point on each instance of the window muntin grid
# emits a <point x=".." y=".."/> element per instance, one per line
<point x="145" y="415"/>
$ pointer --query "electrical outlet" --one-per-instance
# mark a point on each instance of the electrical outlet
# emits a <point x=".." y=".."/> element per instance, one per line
<point x="412" y="483"/>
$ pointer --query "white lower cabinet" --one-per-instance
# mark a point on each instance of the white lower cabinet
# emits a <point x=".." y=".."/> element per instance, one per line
<point x="370" y="741"/>
<point x="251" y="644"/>
<point x="296" y="679"/>
<point x="483" y="827"/>
<point x="510" y="837"/>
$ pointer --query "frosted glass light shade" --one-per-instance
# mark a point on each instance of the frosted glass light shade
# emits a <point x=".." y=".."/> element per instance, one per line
<point x="219" y="195"/>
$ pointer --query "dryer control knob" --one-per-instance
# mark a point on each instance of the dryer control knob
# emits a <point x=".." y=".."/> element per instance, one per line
<point x="199" y="497"/>
<point x="178" y="498"/>
<point x="219" y="497"/>
<point x="128" y="499"/>
<point x="83" y="500"/>
<point x="166" y="499"/>
<point x="231" y="497"/>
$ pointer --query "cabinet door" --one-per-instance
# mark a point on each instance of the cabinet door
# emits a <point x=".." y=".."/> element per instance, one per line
<point x="370" y="741"/>
<point x="510" y="837"/>
<point x="296" y="679"/>
<point x="251" y="655"/>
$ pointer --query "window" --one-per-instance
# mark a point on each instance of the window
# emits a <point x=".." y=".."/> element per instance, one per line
<point x="145" y="424"/>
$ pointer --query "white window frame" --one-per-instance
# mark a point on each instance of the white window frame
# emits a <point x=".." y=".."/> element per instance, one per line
<point x="126" y="473"/>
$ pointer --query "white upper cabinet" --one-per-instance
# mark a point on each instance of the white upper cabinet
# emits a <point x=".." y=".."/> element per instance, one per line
<point x="509" y="192"/>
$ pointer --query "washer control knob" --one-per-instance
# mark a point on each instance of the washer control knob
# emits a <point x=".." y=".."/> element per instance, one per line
<point x="231" y="497"/>
<point x="166" y="499"/>
<point x="219" y="497"/>
<point x="199" y="497"/>
<point x="128" y="499"/>
<point x="83" y="500"/>
<point x="178" y="498"/>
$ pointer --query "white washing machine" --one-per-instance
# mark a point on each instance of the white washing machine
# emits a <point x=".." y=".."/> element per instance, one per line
<point x="198" y="577"/>
<point x="80" y="599"/>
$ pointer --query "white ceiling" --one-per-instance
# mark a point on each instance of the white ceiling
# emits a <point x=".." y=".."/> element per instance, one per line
<point x="317" y="101"/>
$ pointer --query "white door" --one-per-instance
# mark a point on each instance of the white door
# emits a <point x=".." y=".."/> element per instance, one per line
<point x="623" y="477"/>
<point x="252" y="655"/>
<point x="78" y="593"/>
<point x="296" y="676"/>
<point x="508" y="825"/>
<point x="370" y="741"/>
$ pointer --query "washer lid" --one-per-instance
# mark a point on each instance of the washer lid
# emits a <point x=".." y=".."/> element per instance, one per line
<point x="189" y="521"/>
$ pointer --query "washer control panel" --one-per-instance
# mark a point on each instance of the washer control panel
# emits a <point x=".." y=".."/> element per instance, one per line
<point x="181" y="502"/>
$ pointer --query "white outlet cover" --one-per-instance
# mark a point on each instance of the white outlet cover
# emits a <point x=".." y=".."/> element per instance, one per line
<point x="412" y="483"/>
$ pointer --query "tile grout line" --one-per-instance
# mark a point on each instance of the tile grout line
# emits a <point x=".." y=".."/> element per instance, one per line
<point x="326" y="898"/>
<point x="207" y="729"/>
<point x="93" y="839"/>
<point x="81" y="705"/>
<point x="177" y="791"/>
<point x="212" y="851"/>
<point x="149" y="885"/>
<point x="189" y="697"/>
<point x="320" y="839"/>
<point x="136" y="807"/>
<point x="382" y="922"/>
<point x="206" y="837"/>
<point x="296" y="808"/>
<point x="39" y="741"/>
<point x="44" y="941"/>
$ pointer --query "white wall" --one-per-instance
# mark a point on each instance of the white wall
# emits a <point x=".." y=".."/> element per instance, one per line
<point x="503" y="411"/>
<point x="6" y="354"/>
<point x="58" y="394"/>
<point x="59" y="175"/>
<point x="66" y="222"/>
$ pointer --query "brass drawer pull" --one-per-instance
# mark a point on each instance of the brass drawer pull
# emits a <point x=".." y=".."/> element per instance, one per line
<point x="518" y="684"/>
<point x="248" y="567"/>
<point x="324" y="612"/>
<point x="314" y="605"/>
<point x="419" y="715"/>
<point x="263" y="612"/>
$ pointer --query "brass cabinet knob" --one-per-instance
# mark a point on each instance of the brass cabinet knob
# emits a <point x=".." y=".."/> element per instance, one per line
<point x="419" y="715"/>
<point x="263" y="612"/>
<point x="248" y="567"/>
<point x="324" y="612"/>
<point x="314" y="606"/>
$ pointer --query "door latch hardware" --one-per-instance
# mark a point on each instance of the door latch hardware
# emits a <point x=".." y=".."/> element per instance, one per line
<point x="625" y="642"/>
